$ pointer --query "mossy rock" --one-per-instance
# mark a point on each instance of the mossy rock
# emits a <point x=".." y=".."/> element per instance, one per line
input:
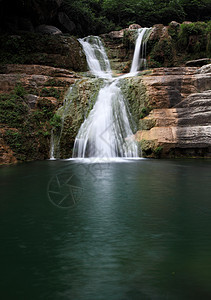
<point x="77" y="106"/>
<point x="150" y="149"/>
<point x="135" y="93"/>
<point x="51" y="50"/>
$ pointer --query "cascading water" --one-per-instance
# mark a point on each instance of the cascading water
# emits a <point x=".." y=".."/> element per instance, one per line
<point x="139" y="60"/>
<point x="106" y="132"/>
<point x="97" y="59"/>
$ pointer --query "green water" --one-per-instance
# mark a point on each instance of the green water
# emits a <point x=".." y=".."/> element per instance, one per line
<point x="137" y="230"/>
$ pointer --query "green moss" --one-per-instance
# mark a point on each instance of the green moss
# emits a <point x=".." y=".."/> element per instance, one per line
<point x="146" y="124"/>
<point x="13" y="108"/>
<point x="27" y="131"/>
<point x="42" y="49"/>
<point x="56" y="121"/>
<point x="158" y="151"/>
<point x="135" y="93"/>
<point x="194" y="39"/>
<point x="78" y="104"/>
<point x="50" y="92"/>
<point x="150" y="149"/>
<point x="162" y="53"/>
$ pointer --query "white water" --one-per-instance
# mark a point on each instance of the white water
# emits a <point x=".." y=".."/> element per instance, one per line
<point x="106" y="133"/>
<point x="140" y="50"/>
<point x="97" y="59"/>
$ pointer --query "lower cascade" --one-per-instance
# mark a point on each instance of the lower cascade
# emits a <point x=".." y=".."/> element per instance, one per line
<point x="106" y="132"/>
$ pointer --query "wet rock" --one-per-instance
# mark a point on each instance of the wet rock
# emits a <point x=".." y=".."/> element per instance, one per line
<point x="205" y="69"/>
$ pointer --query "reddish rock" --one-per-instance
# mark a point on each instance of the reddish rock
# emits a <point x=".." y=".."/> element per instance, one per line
<point x="181" y="102"/>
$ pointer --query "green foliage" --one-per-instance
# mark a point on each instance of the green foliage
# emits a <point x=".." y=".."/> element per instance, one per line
<point x="29" y="130"/>
<point x="50" y="92"/>
<point x="14" y="140"/>
<point x="13" y="108"/>
<point x="162" y="53"/>
<point x="100" y="16"/>
<point x="158" y="151"/>
<point x="193" y="37"/>
<point x="144" y="112"/>
<point x="56" y="121"/>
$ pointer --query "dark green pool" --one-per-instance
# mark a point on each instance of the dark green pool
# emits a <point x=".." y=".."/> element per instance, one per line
<point x="119" y="231"/>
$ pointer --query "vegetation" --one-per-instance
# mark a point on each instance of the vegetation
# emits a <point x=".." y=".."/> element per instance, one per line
<point x="99" y="16"/>
<point x="26" y="130"/>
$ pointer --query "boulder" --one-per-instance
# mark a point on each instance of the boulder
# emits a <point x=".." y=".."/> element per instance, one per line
<point x="31" y="100"/>
<point x="134" y="26"/>
<point x="116" y="34"/>
<point x="174" y="24"/>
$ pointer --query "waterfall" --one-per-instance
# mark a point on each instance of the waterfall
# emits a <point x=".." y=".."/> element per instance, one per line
<point x="97" y="59"/>
<point x="106" y="132"/>
<point x="139" y="60"/>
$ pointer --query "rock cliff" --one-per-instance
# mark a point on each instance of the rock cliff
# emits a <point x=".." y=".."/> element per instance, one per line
<point x="179" y="121"/>
<point x="29" y="97"/>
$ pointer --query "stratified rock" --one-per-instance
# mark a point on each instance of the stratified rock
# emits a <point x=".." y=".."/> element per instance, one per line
<point x="34" y="77"/>
<point x="48" y="29"/>
<point x="38" y="92"/>
<point x="180" y="119"/>
<point x="116" y="34"/>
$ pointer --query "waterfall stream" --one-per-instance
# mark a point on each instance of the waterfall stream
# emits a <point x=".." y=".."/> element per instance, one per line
<point x="106" y="132"/>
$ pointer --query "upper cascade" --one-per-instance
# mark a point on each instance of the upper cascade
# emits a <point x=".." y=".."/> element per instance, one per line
<point x="139" y="57"/>
<point x="96" y="56"/>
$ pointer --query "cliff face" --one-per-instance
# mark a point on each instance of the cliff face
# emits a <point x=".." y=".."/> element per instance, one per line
<point x="29" y="97"/>
<point x="179" y="121"/>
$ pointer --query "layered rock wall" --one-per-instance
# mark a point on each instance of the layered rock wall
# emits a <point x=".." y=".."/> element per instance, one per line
<point x="29" y="97"/>
<point x="179" y="121"/>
